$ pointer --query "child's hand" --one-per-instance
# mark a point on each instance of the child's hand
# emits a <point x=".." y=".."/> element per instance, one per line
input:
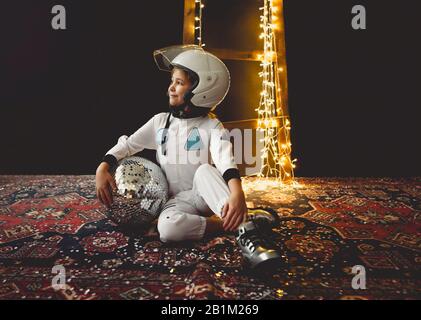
<point x="104" y="184"/>
<point x="234" y="211"/>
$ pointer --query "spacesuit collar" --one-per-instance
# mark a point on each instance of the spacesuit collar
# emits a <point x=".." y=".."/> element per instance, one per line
<point x="187" y="111"/>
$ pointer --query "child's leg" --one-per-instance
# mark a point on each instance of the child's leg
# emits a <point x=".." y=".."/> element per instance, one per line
<point x="180" y="219"/>
<point x="190" y="214"/>
<point x="210" y="188"/>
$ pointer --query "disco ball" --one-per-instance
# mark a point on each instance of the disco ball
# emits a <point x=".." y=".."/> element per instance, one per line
<point x="142" y="191"/>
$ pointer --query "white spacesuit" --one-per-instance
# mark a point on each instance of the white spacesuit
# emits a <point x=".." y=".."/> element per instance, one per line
<point x="182" y="148"/>
<point x="187" y="145"/>
<point x="188" y="140"/>
<point x="185" y="153"/>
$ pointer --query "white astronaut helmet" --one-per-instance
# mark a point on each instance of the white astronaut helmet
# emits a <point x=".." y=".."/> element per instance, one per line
<point x="212" y="78"/>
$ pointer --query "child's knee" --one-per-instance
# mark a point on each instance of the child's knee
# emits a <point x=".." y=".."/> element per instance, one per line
<point x="205" y="171"/>
<point x="169" y="227"/>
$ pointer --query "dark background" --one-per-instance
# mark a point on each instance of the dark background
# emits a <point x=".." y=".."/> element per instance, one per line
<point x="66" y="96"/>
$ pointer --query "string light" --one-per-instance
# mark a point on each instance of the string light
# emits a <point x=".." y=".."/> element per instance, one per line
<point x="199" y="6"/>
<point x="275" y="155"/>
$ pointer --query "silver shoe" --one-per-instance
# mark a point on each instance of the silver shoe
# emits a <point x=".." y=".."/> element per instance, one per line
<point x="255" y="249"/>
<point x="263" y="218"/>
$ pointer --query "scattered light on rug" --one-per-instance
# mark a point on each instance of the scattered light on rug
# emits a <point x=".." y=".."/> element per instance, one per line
<point x="327" y="227"/>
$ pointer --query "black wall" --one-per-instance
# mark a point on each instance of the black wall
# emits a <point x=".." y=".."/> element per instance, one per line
<point x="66" y="96"/>
<point x="354" y="96"/>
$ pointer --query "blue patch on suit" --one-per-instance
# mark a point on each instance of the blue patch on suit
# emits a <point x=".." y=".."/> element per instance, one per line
<point x="194" y="142"/>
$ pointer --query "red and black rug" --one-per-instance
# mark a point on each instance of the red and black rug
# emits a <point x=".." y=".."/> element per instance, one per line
<point x="328" y="226"/>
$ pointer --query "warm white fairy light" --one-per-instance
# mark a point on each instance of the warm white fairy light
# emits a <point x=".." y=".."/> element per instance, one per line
<point x="198" y="22"/>
<point x="253" y="184"/>
<point x="276" y="158"/>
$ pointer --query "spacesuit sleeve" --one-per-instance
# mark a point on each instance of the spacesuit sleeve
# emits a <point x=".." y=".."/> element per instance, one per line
<point x="143" y="138"/>
<point x="221" y="152"/>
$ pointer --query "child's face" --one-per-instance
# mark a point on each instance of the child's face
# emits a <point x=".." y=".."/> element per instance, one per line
<point x="179" y="85"/>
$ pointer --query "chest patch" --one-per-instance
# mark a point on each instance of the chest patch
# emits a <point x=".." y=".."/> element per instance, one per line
<point x="194" y="142"/>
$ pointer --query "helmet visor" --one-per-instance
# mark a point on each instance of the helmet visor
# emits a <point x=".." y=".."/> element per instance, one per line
<point x="164" y="57"/>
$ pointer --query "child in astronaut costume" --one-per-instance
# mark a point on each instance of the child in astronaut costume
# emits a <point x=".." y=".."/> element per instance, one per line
<point x="203" y="199"/>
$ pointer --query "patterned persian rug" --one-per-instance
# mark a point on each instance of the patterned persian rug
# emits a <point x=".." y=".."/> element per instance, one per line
<point x="328" y="226"/>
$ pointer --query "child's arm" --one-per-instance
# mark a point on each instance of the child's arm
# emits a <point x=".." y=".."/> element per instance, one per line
<point x="235" y="210"/>
<point x="143" y="138"/>
<point x="125" y="147"/>
<point x="104" y="183"/>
